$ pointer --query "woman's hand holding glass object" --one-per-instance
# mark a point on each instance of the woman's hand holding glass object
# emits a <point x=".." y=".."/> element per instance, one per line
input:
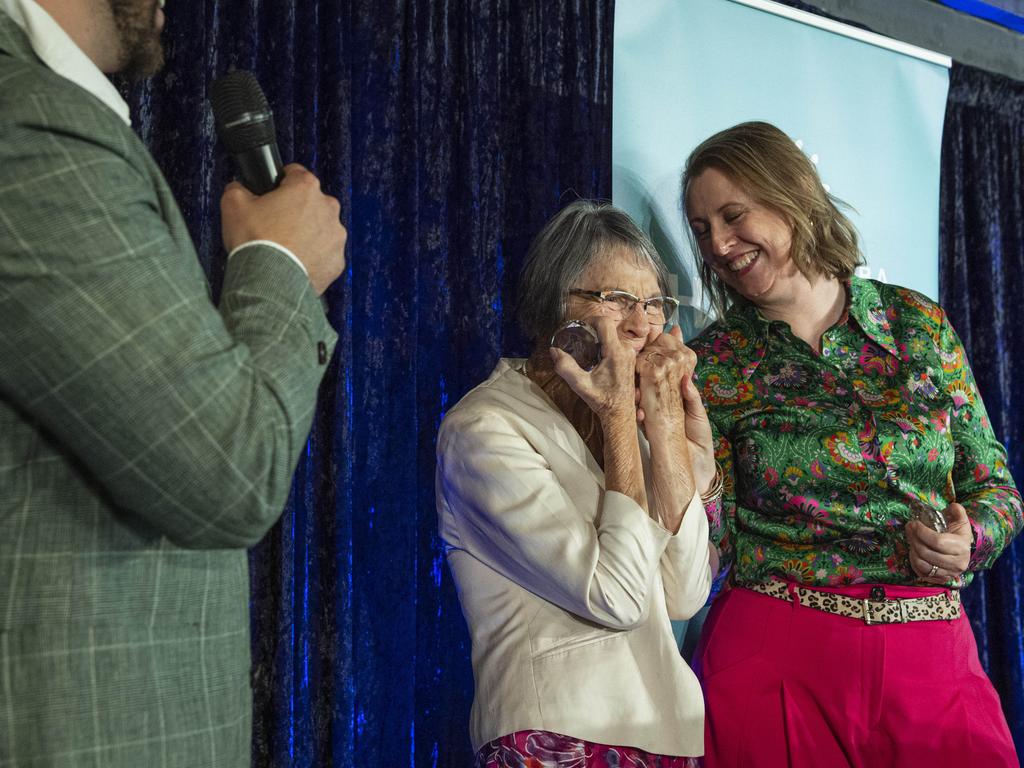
<point x="608" y="392"/>
<point x="937" y="557"/>
<point x="608" y="387"/>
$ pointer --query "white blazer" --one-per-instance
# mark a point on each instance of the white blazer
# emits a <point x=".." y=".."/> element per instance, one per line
<point x="567" y="589"/>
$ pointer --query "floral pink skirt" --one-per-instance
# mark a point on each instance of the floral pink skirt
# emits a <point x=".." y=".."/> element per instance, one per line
<point x="543" y="749"/>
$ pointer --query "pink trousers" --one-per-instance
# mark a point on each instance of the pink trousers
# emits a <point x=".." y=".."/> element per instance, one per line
<point x="791" y="686"/>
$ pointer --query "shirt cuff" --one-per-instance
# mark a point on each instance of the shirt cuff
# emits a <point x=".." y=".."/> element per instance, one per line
<point x="983" y="546"/>
<point x="275" y="246"/>
<point x="714" y="509"/>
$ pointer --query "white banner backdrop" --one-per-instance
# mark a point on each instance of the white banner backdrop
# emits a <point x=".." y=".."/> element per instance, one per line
<point x="866" y="109"/>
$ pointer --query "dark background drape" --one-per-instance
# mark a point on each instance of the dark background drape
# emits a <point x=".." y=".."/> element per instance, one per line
<point x="451" y="131"/>
<point x="981" y="286"/>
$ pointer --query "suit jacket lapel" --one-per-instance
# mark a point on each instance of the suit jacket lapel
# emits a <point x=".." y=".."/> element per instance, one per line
<point x="14" y="42"/>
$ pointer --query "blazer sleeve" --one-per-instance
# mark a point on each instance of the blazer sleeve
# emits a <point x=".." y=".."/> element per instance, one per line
<point x="188" y="418"/>
<point x="500" y="501"/>
<point x="685" y="566"/>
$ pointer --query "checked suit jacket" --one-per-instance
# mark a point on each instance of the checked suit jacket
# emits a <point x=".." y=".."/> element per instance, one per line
<point x="147" y="438"/>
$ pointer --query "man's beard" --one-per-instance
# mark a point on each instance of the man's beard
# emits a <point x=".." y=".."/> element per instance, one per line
<point x="141" y="52"/>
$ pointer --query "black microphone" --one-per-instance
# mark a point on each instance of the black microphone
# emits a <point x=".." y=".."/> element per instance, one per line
<point x="245" y="126"/>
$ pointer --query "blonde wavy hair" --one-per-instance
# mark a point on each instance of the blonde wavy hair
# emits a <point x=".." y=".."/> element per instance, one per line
<point x="774" y="172"/>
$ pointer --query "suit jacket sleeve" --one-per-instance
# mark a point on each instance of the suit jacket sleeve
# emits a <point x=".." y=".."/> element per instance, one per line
<point x="188" y="418"/>
<point x="500" y="501"/>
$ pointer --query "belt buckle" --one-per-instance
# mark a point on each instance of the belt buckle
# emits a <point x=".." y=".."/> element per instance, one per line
<point x="869" y="619"/>
<point x="866" y="609"/>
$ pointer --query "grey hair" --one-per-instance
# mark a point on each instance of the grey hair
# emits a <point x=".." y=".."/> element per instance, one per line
<point x="572" y="239"/>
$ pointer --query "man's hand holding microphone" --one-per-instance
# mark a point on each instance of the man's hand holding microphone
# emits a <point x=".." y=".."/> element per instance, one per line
<point x="286" y="205"/>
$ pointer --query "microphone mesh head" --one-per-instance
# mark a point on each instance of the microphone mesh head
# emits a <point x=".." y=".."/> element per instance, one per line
<point x="240" y="112"/>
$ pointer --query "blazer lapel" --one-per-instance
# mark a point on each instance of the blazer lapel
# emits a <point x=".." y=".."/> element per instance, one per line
<point x="14" y="42"/>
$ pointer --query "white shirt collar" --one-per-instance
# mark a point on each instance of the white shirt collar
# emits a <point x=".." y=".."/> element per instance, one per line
<point x="59" y="52"/>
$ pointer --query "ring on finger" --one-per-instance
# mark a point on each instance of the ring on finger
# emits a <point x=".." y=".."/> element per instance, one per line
<point x="933" y="571"/>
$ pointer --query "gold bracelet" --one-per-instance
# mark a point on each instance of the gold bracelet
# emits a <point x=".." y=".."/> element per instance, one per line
<point x="717" y="485"/>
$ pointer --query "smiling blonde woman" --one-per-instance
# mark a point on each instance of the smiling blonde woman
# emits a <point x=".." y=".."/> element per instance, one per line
<point x="864" y="486"/>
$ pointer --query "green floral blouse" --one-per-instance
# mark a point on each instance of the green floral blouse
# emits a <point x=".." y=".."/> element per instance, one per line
<point x="823" y="454"/>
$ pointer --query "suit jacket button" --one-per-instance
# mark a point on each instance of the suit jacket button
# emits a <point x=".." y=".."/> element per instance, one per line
<point x="321" y="353"/>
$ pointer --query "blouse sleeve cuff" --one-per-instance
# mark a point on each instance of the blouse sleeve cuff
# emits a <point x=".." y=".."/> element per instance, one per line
<point x="982" y="548"/>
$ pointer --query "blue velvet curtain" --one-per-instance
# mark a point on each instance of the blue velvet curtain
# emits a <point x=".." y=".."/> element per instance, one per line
<point x="450" y="131"/>
<point x="981" y="284"/>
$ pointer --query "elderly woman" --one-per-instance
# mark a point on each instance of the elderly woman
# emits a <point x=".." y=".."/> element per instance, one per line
<point x="845" y="414"/>
<point x="574" y="536"/>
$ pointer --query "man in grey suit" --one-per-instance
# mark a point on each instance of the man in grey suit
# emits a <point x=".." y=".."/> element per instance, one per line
<point x="147" y="437"/>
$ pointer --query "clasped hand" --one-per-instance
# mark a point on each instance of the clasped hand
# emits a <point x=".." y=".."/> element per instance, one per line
<point x="654" y="386"/>
<point x="667" y="395"/>
<point x="663" y="367"/>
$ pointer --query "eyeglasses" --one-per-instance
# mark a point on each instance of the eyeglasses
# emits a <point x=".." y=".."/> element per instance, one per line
<point x="657" y="309"/>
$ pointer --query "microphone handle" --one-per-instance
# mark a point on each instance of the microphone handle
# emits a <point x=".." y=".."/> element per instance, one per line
<point x="259" y="168"/>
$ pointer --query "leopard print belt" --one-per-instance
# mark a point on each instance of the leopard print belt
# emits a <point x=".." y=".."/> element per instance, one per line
<point x="869" y="610"/>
